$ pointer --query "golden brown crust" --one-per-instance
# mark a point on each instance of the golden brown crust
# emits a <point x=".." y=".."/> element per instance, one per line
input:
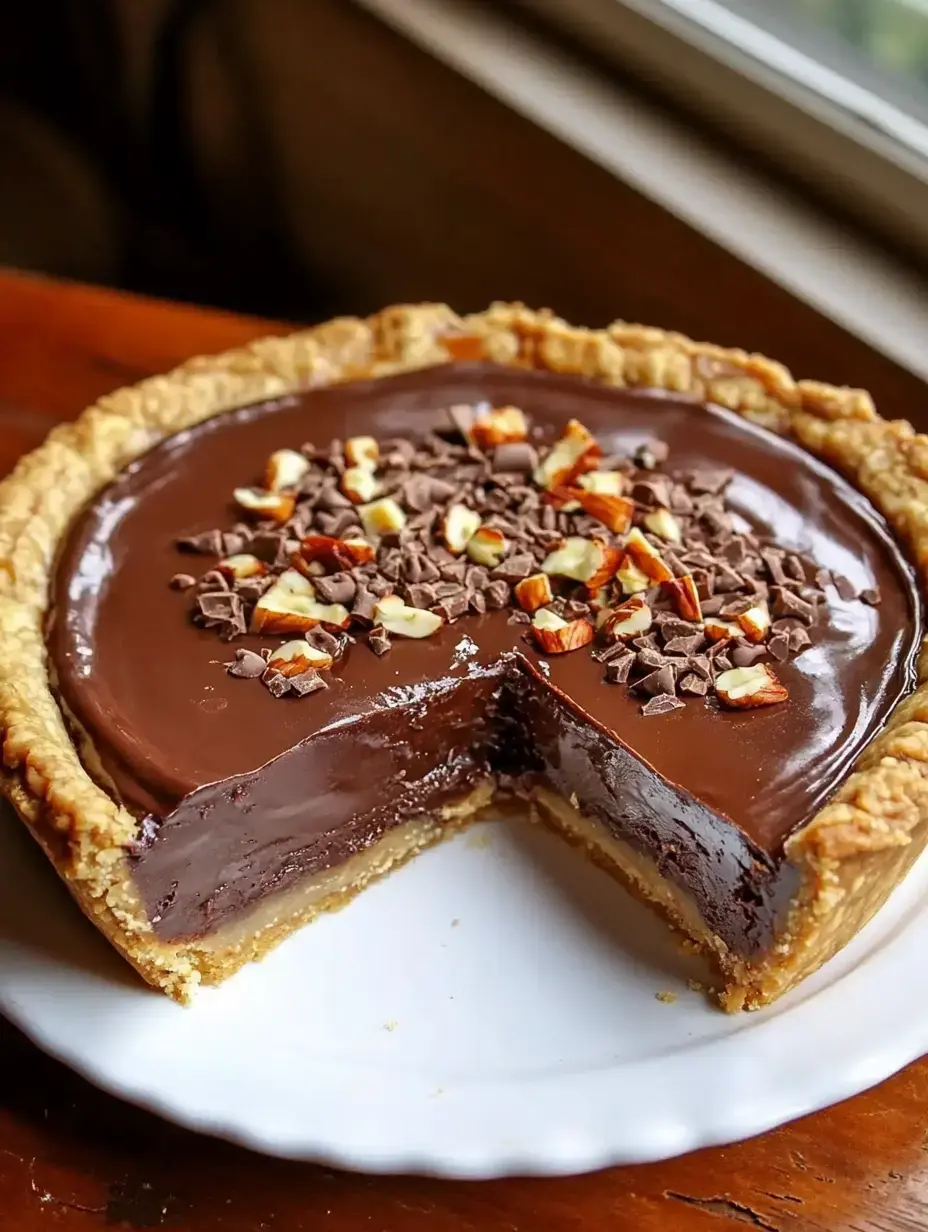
<point x="850" y="854"/>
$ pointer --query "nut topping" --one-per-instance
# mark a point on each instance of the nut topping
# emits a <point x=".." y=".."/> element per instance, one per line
<point x="746" y="687"/>
<point x="487" y="546"/>
<point x="362" y="451"/>
<point x="682" y="591"/>
<point x="577" y="451"/>
<point x="630" y="619"/>
<point x="399" y="537"/>
<point x="294" y="658"/>
<point x="647" y="557"/>
<point x="275" y="506"/>
<point x="558" y="636"/>
<point x="534" y="592"/>
<point x="616" y="512"/>
<point x="662" y="523"/>
<point x="502" y="426"/>
<point x="241" y="566"/>
<point x="755" y="622"/>
<point x="285" y="470"/>
<point x="382" y="517"/>
<point x="458" y="526"/>
<point x="592" y="561"/>
<point x="360" y="484"/>
<point x="393" y="615"/>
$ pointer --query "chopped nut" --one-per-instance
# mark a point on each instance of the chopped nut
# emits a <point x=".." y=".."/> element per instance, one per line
<point x="592" y="561"/>
<point x="299" y="656"/>
<point x="575" y="452"/>
<point x="604" y="483"/>
<point x="662" y="523"/>
<point x="237" y="568"/>
<point x="396" y="617"/>
<point x="630" y="619"/>
<point x="362" y="451"/>
<point x="631" y="578"/>
<point x="276" y="506"/>
<point x="616" y="512"/>
<point x="359" y="484"/>
<point x="487" y="546"/>
<point x="457" y="526"/>
<point x="682" y="591"/>
<point x="534" y="592"/>
<point x="747" y="687"/>
<point x="717" y="630"/>
<point x="755" y="622"/>
<point x="381" y="517"/>
<point x="291" y="606"/>
<point x="647" y="557"/>
<point x="332" y="553"/>
<point x="558" y="636"/>
<point x="501" y="426"/>
<point x="286" y="469"/>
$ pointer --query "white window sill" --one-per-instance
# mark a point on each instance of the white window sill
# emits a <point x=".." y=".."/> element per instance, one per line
<point x="840" y="274"/>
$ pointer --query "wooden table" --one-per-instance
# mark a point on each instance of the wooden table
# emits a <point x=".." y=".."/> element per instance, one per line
<point x="77" y="1160"/>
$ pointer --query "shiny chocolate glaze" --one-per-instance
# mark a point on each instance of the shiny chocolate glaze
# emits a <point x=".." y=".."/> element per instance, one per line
<point x="241" y="794"/>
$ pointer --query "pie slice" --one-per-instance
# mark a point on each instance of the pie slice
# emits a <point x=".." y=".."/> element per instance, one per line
<point x="279" y="620"/>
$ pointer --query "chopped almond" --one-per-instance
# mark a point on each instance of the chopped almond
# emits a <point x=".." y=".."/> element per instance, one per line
<point x="662" y="523"/>
<point x="717" y="630"/>
<point x="275" y="506"/>
<point x="564" y="499"/>
<point x="631" y="578"/>
<point x="382" y="517"/>
<point x="359" y="484"/>
<point x="294" y="658"/>
<point x="242" y="565"/>
<point x="604" y="483"/>
<point x="592" y="561"/>
<point x="285" y="469"/>
<point x="333" y="553"/>
<point x="647" y="557"/>
<point x="755" y="622"/>
<point x="502" y="426"/>
<point x="286" y="606"/>
<point x="533" y="592"/>
<point x="487" y="546"/>
<point x="682" y="591"/>
<point x="630" y="619"/>
<point x="616" y="512"/>
<point x="362" y="451"/>
<point x="457" y="526"/>
<point x="558" y="636"/>
<point x="397" y="617"/>
<point x="576" y="451"/>
<point x="747" y="687"/>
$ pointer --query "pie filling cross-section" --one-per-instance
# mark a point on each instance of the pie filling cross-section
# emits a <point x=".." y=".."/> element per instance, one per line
<point x="292" y="644"/>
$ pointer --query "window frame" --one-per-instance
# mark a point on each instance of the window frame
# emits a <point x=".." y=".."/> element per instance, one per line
<point x="854" y="147"/>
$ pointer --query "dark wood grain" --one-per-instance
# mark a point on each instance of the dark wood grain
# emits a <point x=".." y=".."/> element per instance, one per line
<point x="77" y="1160"/>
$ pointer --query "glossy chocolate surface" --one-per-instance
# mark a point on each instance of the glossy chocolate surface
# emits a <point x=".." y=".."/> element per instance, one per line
<point x="243" y="793"/>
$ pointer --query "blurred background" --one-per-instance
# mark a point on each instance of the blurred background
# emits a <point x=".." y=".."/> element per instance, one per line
<point x="303" y="157"/>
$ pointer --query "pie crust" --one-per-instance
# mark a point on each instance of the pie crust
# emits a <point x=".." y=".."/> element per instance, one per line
<point x="849" y="856"/>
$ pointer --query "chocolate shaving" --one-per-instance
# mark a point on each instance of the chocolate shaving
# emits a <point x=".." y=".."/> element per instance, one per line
<point x="379" y="640"/>
<point x="182" y="581"/>
<point x="248" y="665"/>
<point x="307" y="682"/>
<point x="662" y="704"/>
<point x="619" y="668"/>
<point x="844" y="586"/>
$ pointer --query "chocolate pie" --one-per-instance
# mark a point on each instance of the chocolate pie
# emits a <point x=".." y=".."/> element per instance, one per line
<point x="272" y="624"/>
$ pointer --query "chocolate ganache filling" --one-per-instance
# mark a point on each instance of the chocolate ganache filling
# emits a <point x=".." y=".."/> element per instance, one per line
<point x="241" y="794"/>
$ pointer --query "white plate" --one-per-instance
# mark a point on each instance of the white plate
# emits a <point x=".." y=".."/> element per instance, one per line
<point x="491" y="1009"/>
